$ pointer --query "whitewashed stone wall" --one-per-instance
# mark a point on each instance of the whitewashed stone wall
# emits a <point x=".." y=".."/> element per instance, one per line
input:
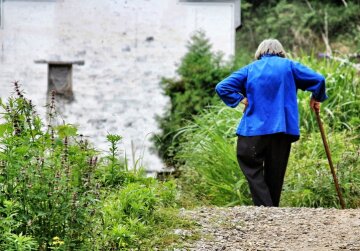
<point x="127" y="45"/>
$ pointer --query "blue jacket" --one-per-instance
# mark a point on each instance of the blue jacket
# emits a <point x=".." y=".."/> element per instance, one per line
<point x="270" y="84"/>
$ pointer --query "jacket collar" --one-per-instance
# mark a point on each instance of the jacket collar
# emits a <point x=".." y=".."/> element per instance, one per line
<point x="268" y="55"/>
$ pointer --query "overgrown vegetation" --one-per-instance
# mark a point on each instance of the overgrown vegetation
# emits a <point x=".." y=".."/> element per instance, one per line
<point x="300" y="25"/>
<point x="189" y="93"/>
<point x="57" y="194"/>
<point x="340" y="111"/>
<point x="204" y="145"/>
<point x="209" y="143"/>
<point x="211" y="174"/>
<point x="309" y="182"/>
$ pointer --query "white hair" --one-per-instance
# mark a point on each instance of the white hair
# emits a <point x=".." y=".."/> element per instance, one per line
<point x="270" y="46"/>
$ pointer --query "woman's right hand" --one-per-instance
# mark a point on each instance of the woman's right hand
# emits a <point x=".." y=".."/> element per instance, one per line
<point x="314" y="105"/>
<point x="245" y="102"/>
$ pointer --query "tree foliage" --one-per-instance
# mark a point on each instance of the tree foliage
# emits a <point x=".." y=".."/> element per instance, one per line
<point x="300" y="25"/>
<point x="192" y="90"/>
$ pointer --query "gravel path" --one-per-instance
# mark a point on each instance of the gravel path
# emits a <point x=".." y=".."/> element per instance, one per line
<point x="260" y="228"/>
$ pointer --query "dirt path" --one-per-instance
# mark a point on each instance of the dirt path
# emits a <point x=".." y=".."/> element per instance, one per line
<point x="259" y="228"/>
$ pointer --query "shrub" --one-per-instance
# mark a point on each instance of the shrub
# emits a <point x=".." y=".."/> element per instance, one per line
<point x="47" y="173"/>
<point x="200" y="70"/>
<point x="9" y="240"/>
<point x="130" y="215"/>
<point x="55" y="194"/>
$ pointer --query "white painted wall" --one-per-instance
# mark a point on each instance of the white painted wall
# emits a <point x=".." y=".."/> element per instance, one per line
<point x="117" y="90"/>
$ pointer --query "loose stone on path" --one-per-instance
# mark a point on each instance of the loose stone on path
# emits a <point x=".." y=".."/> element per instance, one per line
<point x="264" y="228"/>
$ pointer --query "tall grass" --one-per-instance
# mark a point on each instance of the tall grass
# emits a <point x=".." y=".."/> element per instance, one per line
<point x="211" y="171"/>
<point x="309" y="181"/>
<point x="341" y="110"/>
<point x="208" y="148"/>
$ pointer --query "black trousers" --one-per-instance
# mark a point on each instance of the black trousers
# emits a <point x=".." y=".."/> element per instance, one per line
<point x="263" y="160"/>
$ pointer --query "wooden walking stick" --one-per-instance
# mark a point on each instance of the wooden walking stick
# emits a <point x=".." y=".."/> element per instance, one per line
<point x="327" y="150"/>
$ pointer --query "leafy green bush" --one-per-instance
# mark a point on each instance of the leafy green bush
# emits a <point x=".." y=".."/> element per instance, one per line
<point x="309" y="181"/>
<point x="200" y="70"/>
<point x="9" y="240"/>
<point x="56" y="194"/>
<point x="129" y="215"/>
<point x="47" y="173"/>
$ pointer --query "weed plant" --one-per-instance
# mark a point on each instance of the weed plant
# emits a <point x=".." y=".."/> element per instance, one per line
<point x="46" y="176"/>
<point x="59" y="193"/>
<point x="129" y="214"/>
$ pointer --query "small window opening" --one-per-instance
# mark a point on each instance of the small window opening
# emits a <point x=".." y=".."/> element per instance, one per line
<point x="60" y="77"/>
<point x="60" y="80"/>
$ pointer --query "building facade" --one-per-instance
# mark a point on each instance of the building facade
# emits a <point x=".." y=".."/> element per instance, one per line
<point x="125" y="47"/>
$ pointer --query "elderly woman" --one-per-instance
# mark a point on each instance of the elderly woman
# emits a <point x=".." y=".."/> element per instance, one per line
<point x="268" y="87"/>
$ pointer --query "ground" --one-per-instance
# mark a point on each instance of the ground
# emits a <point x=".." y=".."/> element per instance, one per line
<point x="260" y="228"/>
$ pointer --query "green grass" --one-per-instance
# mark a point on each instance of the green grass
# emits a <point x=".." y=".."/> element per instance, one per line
<point x="211" y="173"/>
<point x="208" y="150"/>
<point x="340" y="111"/>
<point x="309" y="182"/>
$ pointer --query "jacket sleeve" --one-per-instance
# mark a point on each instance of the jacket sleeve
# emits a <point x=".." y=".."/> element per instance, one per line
<point x="232" y="89"/>
<point x="309" y="80"/>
